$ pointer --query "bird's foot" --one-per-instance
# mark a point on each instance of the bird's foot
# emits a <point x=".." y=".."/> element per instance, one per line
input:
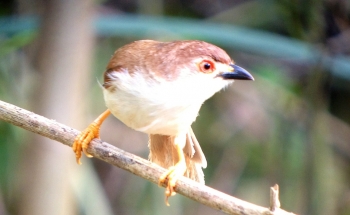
<point x="170" y="177"/>
<point x="82" y="141"/>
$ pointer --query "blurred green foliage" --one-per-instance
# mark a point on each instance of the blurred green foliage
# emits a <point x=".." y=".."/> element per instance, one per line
<point x="278" y="129"/>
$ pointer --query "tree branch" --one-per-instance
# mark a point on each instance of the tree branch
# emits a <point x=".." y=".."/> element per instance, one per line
<point x="132" y="163"/>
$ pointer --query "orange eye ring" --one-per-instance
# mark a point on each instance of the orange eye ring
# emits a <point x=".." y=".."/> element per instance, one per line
<point x="206" y="66"/>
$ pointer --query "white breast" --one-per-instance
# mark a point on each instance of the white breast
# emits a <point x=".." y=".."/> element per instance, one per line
<point x="159" y="107"/>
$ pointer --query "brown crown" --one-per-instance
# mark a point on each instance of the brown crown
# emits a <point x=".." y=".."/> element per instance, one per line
<point x="161" y="59"/>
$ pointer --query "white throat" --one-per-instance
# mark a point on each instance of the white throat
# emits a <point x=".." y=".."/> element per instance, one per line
<point x="159" y="106"/>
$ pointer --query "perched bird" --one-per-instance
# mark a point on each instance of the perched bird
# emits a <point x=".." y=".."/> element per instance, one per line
<point x="158" y="88"/>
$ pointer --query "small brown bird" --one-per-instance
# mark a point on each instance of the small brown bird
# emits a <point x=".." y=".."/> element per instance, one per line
<point x="158" y="88"/>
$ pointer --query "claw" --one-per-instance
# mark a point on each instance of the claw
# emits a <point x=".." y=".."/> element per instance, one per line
<point x="170" y="178"/>
<point x="82" y="141"/>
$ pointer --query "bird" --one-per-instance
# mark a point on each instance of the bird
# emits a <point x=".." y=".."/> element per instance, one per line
<point x="158" y="88"/>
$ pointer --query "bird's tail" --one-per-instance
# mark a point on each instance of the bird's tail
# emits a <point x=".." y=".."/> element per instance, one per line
<point x="163" y="153"/>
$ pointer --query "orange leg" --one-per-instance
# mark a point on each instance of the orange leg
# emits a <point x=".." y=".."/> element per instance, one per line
<point x="173" y="173"/>
<point x="82" y="141"/>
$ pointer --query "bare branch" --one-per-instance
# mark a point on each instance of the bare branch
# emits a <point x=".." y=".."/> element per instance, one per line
<point x="132" y="163"/>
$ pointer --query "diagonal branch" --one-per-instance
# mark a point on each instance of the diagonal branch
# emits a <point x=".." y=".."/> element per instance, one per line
<point x="132" y="163"/>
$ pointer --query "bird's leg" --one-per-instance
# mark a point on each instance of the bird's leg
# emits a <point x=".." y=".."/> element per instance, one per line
<point x="176" y="171"/>
<point x="82" y="141"/>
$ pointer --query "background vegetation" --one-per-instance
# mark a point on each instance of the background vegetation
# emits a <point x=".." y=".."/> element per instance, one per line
<point x="290" y="126"/>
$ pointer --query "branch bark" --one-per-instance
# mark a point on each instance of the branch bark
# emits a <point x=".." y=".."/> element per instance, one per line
<point x="132" y="163"/>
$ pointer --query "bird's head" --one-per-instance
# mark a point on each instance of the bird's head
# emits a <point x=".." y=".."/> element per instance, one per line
<point x="187" y="68"/>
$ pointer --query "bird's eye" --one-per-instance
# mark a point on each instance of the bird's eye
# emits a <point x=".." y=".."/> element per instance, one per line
<point x="206" y="66"/>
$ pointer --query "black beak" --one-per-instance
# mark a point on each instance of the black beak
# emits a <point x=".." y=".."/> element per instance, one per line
<point x="237" y="73"/>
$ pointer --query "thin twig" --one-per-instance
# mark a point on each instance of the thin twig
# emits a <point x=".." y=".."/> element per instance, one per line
<point x="274" y="198"/>
<point x="132" y="163"/>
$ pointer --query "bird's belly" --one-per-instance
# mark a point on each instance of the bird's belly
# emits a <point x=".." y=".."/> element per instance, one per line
<point x="150" y="115"/>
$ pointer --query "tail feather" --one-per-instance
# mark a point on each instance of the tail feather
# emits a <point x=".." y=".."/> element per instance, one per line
<point x="195" y="152"/>
<point x="163" y="153"/>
